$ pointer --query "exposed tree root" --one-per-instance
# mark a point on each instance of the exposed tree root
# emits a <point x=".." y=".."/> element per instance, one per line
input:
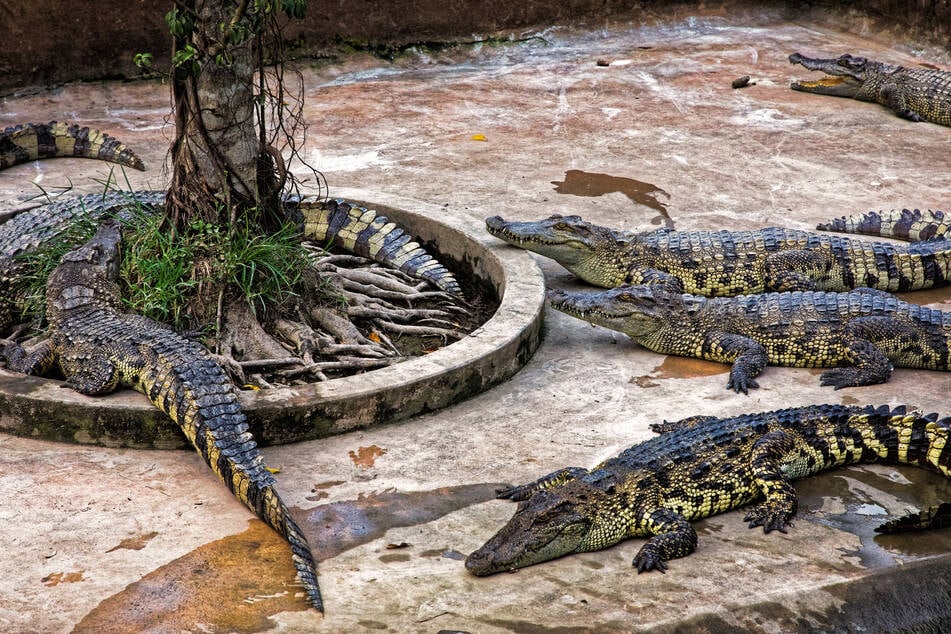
<point x="358" y="317"/>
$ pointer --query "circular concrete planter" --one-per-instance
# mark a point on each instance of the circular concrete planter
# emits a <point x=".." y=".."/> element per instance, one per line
<point x="42" y="408"/>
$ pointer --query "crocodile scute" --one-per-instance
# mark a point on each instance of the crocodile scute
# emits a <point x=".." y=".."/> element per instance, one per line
<point x="706" y="465"/>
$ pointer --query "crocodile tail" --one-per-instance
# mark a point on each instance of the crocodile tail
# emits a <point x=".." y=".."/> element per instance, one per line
<point x="32" y="141"/>
<point x="189" y="386"/>
<point x="363" y="232"/>
<point x="911" y="225"/>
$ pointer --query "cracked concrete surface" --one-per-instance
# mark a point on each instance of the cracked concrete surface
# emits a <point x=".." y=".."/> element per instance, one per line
<point x="124" y="540"/>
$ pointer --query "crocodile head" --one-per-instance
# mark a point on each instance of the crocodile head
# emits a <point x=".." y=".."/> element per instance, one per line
<point x="634" y="310"/>
<point x="587" y="250"/>
<point x="86" y="275"/>
<point x="846" y="75"/>
<point x="571" y="518"/>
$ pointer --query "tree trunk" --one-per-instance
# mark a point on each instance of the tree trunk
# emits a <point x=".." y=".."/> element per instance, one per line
<point x="217" y="152"/>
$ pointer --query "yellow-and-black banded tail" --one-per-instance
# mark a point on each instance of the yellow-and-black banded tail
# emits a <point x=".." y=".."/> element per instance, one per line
<point x="366" y="233"/>
<point x="185" y="383"/>
<point x="32" y="141"/>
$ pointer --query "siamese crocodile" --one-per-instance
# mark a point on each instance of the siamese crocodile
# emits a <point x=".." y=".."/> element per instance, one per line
<point x="860" y="335"/>
<point x="916" y="94"/>
<point x="706" y="465"/>
<point x="727" y="263"/>
<point x="98" y="349"/>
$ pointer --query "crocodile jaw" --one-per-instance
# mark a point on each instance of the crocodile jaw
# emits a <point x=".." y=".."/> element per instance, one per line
<point x="536" y="237"/>
<point x="846" y="75"/>
<point x="838" y="86"/>
<point x="603" y="309"/>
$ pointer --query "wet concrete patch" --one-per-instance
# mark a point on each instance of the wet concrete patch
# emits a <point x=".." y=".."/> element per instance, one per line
<point x="580" y="183"/>
<point x="229" y="585"/>
<point x="339" y="526"/>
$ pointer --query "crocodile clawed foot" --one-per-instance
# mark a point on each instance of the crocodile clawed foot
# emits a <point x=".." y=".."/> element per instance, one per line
<point x="839" y="378"/>
<point x="772" y="517"/>
<point x="648" y="558"/>
<point x="741" y="383"/>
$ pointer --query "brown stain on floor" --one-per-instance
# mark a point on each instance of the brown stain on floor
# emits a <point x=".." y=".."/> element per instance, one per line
<point x="134" y="543"/>
<point x="366" y="456"/>
<point x="229" y="585"/>
<point x="579" y="183"/>
<point x="686" y="368"/>
<point x="56" y="578"/>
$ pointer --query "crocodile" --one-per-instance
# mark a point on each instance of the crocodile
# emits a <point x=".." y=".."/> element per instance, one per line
<point x="706" y="465"/>
<point x="916" y="94"/>
<point x="32" y="141"/>
<point x="727" y="263"/>
<point x="333" y="222"/>
<point x="98" y="349"/>
<point x="860" y="334"/>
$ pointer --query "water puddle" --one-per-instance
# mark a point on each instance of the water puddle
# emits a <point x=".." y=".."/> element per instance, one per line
<point x="859" y="499"/>
<point x="134" y="543"/>
<point x="339" y="526"/>
<point x="579" y="183"/>
<point x="928" y="297"/>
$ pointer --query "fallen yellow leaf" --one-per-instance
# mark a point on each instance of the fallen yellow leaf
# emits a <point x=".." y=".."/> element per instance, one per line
<point x="479" y="137"/>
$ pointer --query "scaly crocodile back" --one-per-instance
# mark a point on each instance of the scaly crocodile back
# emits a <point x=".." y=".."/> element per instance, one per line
<point x="924" y="91"/>
<point x="912" y="225"/>
<point x="32" y="141"/>
<point x="742" y="254"/>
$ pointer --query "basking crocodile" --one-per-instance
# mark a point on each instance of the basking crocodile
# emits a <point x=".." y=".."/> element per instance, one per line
<point x="32" y="141"/>
<point x="726" y="263"/>
<point x="916" y="94"/>
<point x="99" y="349"/>
<point x="703" y="466"/>
<point x="336" y="222"/>
<point x="866" y="331"/>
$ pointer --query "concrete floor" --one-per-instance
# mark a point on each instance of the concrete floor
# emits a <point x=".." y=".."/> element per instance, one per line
<point x="120" y="540"/>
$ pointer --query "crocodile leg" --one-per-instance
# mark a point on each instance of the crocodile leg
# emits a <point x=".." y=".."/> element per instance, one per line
<point x="36" y="363"/>
<point x="673" y="537"/>
<point x="866" y="342"/>
<point x="794" y="270"/>
<point x="781" y="503"/>
<point x="747" y="356"/>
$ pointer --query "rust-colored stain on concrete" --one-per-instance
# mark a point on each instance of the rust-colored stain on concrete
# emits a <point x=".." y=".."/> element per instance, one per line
<point x="235" y="583"/>
<point x="366" y="456"/>
<point x="684" y="368"/>
<point x="579" y="183"/>
<point x="134" y="543"/>
<point x="57" y="578"/>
